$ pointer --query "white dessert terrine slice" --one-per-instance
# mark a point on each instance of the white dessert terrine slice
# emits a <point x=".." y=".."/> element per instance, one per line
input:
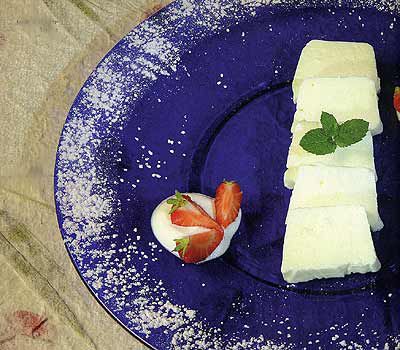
<point x="345" y="98"/>
<point x="327" y="242"/>
<point x="333" y="59"/>
<point x="324" y="186"/>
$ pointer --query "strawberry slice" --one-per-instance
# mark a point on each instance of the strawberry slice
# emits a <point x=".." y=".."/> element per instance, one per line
<point x="197" y="247"/>
<point x="186" y="212"/>
<point x="396" y="99"/>
<point x="227" y="202"/>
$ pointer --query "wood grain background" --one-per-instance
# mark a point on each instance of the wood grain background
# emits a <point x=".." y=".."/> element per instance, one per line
<point x="47" y="50"/>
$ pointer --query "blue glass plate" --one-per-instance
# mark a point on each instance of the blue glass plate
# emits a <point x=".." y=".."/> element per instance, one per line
<point x="198" y="93"/>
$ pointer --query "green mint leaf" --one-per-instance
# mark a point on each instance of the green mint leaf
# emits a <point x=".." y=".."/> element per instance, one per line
<point x="351" y="131"/>
<point x="329" y="124"/>
<point x="316" y="141"/>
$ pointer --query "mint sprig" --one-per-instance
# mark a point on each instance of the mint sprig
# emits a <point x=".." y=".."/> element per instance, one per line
<point x="318" y="142"/>
<point x="324" y="140"/>
<point x="351" y="131"/>
<point x="329" y="124"/>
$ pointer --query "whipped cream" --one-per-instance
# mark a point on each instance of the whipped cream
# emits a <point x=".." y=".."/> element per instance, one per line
<point x="166" y="232"/>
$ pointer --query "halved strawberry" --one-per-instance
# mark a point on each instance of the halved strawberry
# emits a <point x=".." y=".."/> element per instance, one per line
<point x="186" y="212"/>
<point x="197" y="247"/>
<point x="396" y="99"/>
<point x="227" y="202"/>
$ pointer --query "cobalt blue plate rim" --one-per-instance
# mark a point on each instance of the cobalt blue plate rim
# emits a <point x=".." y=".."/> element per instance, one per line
<point x="99" y="115"/>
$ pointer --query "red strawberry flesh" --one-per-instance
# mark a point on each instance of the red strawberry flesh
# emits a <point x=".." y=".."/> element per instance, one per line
<point x="189" y="213"/>
<point x="198" y="247"/>
<point x="228" y="198"/>
<point x="396" y="99"/>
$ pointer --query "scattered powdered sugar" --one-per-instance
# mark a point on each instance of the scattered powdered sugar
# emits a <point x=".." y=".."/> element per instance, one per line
<point x="396" y="341"/>
<point x="86" y="198"/>
<point x="195" y="337"/>
<point x="149" y="315"/>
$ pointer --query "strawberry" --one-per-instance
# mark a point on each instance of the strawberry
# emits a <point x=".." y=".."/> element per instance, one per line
<point x="396" y="100"/>
<point x="186" y="212"/>
<point x="197" y="247"/>
<point x="227" y="202"/>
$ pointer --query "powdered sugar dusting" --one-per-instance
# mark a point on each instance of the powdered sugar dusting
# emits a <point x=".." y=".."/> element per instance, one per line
<point x="87" y="200"/>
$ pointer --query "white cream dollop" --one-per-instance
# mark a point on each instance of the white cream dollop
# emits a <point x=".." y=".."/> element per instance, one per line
<point x="166" y="232"/>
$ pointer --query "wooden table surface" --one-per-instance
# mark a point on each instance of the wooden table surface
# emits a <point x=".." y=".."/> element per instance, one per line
<point x="47" y="50"/>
